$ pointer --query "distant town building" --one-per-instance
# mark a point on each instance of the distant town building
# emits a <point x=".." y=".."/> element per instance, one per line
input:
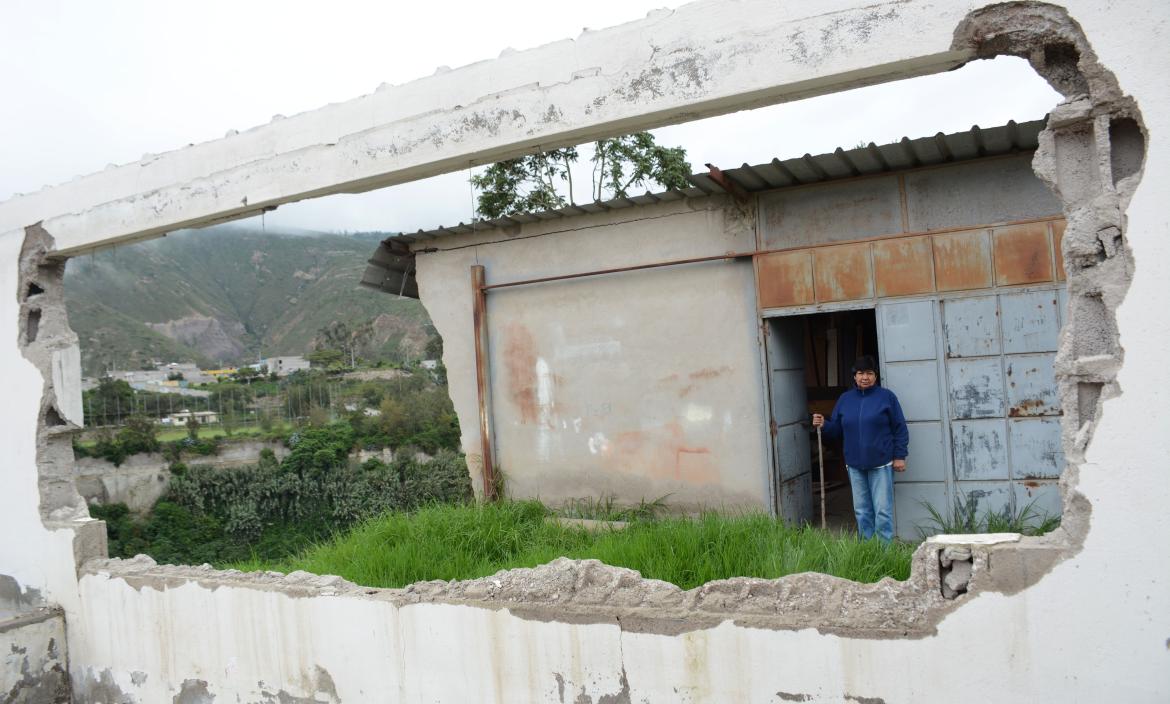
<point x="283" y="366"/>
<point x="431" y="364"/>
<point x="181" y="417"/>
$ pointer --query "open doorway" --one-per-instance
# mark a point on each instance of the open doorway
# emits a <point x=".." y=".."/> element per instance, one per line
<point x="810" y="365"/>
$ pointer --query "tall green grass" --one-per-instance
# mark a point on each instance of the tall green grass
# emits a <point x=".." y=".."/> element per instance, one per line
<point x="468" y="541"/>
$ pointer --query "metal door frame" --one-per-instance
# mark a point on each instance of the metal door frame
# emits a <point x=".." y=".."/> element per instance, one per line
<point x="766" y="316"/>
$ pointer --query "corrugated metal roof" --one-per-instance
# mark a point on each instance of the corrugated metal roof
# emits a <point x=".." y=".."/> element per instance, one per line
<point x="839" y="164"/>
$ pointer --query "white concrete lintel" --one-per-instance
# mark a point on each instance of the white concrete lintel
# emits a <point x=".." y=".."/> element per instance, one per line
<point x="700" y="60"/>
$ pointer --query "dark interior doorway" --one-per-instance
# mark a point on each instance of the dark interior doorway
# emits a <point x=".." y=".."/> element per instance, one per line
<point x="812" y="363"/>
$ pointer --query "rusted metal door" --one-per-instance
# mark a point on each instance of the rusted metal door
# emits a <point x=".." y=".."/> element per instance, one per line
<point x="790" y="420"/>
<point x="1004" y="403"/>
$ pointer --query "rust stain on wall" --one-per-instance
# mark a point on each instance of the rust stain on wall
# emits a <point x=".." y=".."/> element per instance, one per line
<point x="843" y="273"/>
<point x="709" y="373"/>
<point x="962" y="260"/>
<point x="1057" y="243"/>
<point x="1023" y="254"/>
<point x="785" y="279"/>
<point x="520" y="365"/>
<point x="663" y="452"/>
<point x="903" y="267"/>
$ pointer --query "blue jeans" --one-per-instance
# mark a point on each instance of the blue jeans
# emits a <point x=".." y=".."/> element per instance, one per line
<point x="873" y="501"/>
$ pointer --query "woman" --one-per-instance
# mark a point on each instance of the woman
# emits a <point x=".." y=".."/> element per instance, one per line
<point x="876" y="442"/>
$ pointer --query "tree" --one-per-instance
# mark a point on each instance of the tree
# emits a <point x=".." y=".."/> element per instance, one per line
<point x="324" y="357"/>
<point x="619" y="164"/>
<point x="108" y="402"/>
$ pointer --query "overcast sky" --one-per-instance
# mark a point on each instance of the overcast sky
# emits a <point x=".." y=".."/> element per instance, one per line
<point x="86" y="84"/>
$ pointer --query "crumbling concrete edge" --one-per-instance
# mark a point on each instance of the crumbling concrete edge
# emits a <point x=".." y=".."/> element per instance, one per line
<point x="45" y="339"/>
<point x="1094" y="178"/>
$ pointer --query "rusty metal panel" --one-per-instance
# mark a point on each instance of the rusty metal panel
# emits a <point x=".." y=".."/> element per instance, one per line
<point x="911" y="518"/>
<point x="962" y="260"/>
<point x="842" y="273"/>
<point x="1023" y="254"/>
<point x="1031" y="321"/>
<point x="916" y="385"/>
<point x="976" y="388"/>
<point x="785" y="279"/>
<point x="971" y="326"/>
<point x="927" y="461"/>
<point x="903" y="267"/>
<point x="1037" y="452"/>
<point x="980" y="449"/>
<point x="907" y="331"/>
<point x="1042" y="496"/>
<point x="1057" y="243"/>
<point x="1031" y="386"/>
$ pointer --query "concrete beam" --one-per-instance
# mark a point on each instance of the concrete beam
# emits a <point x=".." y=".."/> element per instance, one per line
<point x="672" y="66"/>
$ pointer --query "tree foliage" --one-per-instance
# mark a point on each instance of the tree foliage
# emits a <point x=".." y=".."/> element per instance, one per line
<point x="534" y="182"/>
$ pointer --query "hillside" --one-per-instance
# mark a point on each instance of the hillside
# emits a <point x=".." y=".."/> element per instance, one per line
<point x="227" y="294"/>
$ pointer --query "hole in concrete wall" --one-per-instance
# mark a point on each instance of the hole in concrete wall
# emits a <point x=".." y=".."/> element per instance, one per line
<point x="1088" y="393"/>
<point x="34" y="290"/>
<point x="1127" y="148"/>
<point x="1062" y="59"/>
<point x="32" y="325"/>
<point x="52" y="418"/>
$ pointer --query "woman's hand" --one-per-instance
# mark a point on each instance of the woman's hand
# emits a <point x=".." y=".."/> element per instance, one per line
<point x="899" y="465"/>
<point x="818" y="420"/>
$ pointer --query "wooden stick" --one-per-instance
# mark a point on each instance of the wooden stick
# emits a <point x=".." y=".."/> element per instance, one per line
<point x="821" y="457"/>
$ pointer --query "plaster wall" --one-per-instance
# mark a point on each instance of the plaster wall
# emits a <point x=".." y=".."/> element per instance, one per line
<point x="34" y="668"/>
<point x="637" y="384"/>
<point x="967" y="194"/>
<point x="1081" y="615"/>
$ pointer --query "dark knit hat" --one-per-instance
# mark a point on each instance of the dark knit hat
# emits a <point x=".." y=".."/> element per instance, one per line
<point x="865" y="363"/>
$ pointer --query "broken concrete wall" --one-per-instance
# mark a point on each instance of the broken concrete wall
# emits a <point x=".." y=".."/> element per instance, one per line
<point x="35" y="669"/>
<point x="1081" y="614"/>
<point x="638" y="384"/>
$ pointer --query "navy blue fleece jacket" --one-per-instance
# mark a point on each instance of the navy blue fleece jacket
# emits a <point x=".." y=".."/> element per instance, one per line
<point x="874" y="427"/>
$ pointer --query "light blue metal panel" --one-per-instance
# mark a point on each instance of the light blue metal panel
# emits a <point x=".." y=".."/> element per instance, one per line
<point x="1030" y="321"/>
<point x="1036" y="448"/>
<point x="971" y="326"/>
<point x="976" y="388"/>
<point x="788" y="397"/>
<point x="987" y="497"/>
<point x="1031" y="386"/>
<point x="907" y="331"/>
<point x="790" y="413"/>
<point x="927" y="461"/>
<point x="911" y="517"/>
<point x="980" y="448"/>
<point x="916" y="385"/>
<point x="796" y="503"/>
<point x="1043" y="497"/>
<point x="792" y="449"/>
<point x="786" y="343"/>
<point x="1062" y="303"/>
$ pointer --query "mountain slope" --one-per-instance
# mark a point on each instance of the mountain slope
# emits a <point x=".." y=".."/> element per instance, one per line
<point x="228" y="294"/>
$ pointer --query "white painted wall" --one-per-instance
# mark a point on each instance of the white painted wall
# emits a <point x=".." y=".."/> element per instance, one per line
<point x="1093" y="629"/>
